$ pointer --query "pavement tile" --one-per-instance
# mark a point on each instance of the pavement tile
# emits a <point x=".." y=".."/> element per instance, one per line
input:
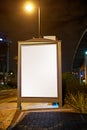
<point x="52" y="121"/>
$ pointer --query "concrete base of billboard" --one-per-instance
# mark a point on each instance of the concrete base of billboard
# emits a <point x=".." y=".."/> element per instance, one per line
<point x="38" y="105"/>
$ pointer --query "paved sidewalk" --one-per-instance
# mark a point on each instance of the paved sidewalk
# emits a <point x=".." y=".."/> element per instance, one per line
<point x="33" y="118"/>
<point x="52" y="120"/>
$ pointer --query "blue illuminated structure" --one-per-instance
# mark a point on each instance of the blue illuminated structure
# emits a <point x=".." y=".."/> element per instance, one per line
<point x="55" y="104"/>
<point x="81" y="49"/>
<point x="1" y="39"/>
<point x="4" y="53"/>
<point x="79" y="62"/>
<point x="85" y="52"/>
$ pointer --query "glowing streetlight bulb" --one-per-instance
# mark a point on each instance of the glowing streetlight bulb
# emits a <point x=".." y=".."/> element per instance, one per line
<point x="29" y="7"/>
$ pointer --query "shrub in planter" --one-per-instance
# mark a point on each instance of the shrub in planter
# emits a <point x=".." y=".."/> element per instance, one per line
<point x="74" y="93"/>
<point x="78" y="101"/>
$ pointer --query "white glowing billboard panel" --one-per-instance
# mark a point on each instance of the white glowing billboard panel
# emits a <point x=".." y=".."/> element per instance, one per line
<point x="39" y="70"/>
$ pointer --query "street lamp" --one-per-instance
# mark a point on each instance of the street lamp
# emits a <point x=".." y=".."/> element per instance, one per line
<point x="29" y="7"/>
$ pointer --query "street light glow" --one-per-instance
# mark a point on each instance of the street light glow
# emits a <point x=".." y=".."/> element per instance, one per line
<point x="29" y="7"/>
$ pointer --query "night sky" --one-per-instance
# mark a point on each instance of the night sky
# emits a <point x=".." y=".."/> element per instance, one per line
<point x="67" y="19"/>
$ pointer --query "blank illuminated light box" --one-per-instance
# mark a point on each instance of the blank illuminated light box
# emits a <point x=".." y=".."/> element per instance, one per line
<point x="38" y="70"/>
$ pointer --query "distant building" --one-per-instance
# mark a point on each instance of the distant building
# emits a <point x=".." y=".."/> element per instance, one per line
<point x="79" y="63"/>
<point x="4" y="53"/>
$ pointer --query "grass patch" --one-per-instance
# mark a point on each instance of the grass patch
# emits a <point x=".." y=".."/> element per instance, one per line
<point x="74" y="93"/>
<point x="78" y="102"/>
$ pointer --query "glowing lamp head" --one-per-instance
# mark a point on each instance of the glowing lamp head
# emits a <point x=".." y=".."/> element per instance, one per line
<point x="29" y="7"/>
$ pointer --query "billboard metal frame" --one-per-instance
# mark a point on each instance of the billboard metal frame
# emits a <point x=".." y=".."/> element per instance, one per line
<point x="40" y="41"/>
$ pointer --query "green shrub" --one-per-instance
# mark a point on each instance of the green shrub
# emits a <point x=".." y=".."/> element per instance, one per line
<point x="4" y="86"/>
<point x="74" y="93"/>
<point x="78" y="101"/>
<point x="12" y="83"/>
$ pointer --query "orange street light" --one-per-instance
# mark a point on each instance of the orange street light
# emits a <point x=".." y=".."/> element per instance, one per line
<point x="30" y="7"/>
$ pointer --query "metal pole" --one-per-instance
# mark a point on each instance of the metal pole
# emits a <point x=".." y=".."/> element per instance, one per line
<point x="59" y="74"/>
<point x="39" y="21"/>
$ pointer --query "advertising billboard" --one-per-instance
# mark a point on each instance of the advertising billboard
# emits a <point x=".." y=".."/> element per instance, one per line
<point x="38" y="71"/>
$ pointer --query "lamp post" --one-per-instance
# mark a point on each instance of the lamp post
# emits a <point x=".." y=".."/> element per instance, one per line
<point x="39" y="21"/>
<point x="29" y="7"/>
